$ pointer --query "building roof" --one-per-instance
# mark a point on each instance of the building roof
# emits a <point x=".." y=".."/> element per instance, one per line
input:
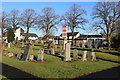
<point x="70" y="34"/>
<point x="89" y="36"/>
<point x="30" y="34"/>
<point x="19" y="27"/>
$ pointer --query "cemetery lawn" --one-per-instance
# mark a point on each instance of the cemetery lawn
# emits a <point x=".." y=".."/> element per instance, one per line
<point x="54" y="67"/>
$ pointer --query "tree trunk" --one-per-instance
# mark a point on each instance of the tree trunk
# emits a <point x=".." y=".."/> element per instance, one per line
<point x="73" y="37"/>
<point x="27" y="32"/>
<point x="109" y="42"/>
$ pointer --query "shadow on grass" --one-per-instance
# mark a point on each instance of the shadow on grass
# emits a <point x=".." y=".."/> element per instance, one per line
<point x="56" y="54"/>
<point x="110" y="74"/>
<point x="14" y="73"/>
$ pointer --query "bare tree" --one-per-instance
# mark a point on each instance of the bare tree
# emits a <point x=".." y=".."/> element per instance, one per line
<point x="4" y="22"/>
<point x="73" y="18"/>
<point x="106" y="15"/>
<point x="14" y="19"/>
<point x="28" y="19"/>
<point x="3" y="26"/>
<point x="48" y="21"/>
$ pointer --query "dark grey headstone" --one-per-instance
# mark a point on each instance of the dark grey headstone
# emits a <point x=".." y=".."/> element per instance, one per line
<point x="75" y="54"/>
<point x="25" y="55"/>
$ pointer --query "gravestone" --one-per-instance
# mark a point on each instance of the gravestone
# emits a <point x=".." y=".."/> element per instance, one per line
<point x="23" y="44"/>
<point x="89" y="56"/>
<point x="42" y="42"/>
<point x="8" y="45"/>
<point x="52" y="51"/>
<point x="84" y="57"/>
<point x="53" y="42"/>
<point x="40" y="55"/>
<point x="31" y="57"/>
<point x="55" y="46"/>
<point x="67" y="52"/>
<point x="75" y="54"/>
<point x="19" y="55"/>
<point x="49" y="45"/>
<point x="63" y="45"/>
<point x="47" y="52"/>
<point x="25" y="55"/>
<point x="62" y="52"/>
<point x="30" y="49"/>
<point x="93" y="55"/>
<point x="10" y="54"/>
<point x="60" y="46"/>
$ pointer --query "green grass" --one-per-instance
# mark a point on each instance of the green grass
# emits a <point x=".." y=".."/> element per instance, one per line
<point x="105" y="56"/>
<point x="54" y="67"/>
<point x="98" y="50"/>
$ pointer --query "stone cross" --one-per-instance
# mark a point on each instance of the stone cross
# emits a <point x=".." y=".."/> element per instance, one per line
<point x="25" y="55"/>
<point x="40" y="55"/>
<point x="19" y="55"/>
<point x="52" y="51"/>
<point x="84" y="57"/>
<point x="67" y="52"/>
<point x="31" y="57"/>
<point x="75" y="54"/>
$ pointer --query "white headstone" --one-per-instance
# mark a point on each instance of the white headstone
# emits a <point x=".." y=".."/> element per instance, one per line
<point x="40" y="55"/>
<point x="31" y="57"/>
<point x="8" y="45"/>
<point x="22" y="44"/>
<point x="10" y="54"/>
<point x="64" y="43"/>
<point x="84" y="57"/>
<point x="93" y="56"/>
<point x="52" y="51"/>
<point x="55" y="46"/>
<point x="67" y="52"/>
